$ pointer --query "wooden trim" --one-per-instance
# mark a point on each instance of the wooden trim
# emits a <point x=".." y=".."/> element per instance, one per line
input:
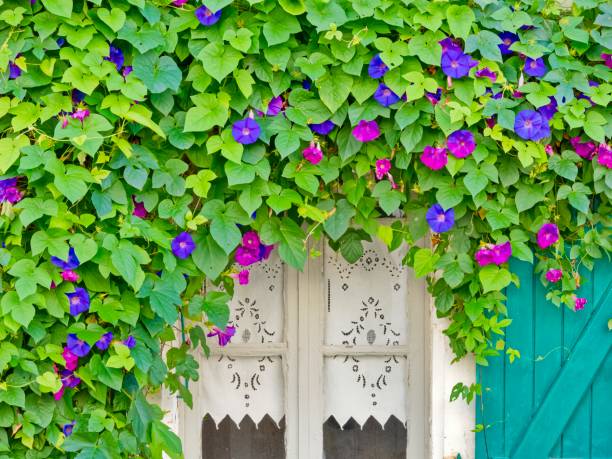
<point x="331" y="350"/>
<point x="249" y="350"/>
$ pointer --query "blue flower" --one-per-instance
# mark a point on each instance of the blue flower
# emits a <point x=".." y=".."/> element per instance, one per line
<point x="531" y="125"/>
<point x="548" y="111"/>
<point x="384" y="96"/>
<point x="183" y="245"/>
<point x="115" y="56"/>
<point x="67" y="428"/>
<point x="206" y="16"/>
<point x="130" y="342"/>
<point x="79" y="301"/>
<point x="77" y="346"/>
<point x="440" y="220"/>
<point x="456" y="64"/>
<point x="377" y="68"/>
<point x="71" y="263"/>
<point x="323" y="128"/>
<point x="104" y="341"/>
<point x="535" y="67"/>
<point x="246" y="131"/>
<point x="507" y="38"/>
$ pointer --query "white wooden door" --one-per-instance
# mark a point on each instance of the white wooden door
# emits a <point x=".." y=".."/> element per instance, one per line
<point x="322" y="359"/>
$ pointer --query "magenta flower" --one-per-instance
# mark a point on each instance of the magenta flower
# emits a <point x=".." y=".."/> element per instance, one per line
<point x="246" y="257"/>
<point x="548" y="148"/>
<point x="531" y="125"/>
<point x="105" y="340"/>
<point x="607" y="58"/>
<point x="130" y="342"/>
<point x="140" y="210"/>
<point x="115" y="55"/>
<point x="490" y="122"/>
<point x="250" y="240"/>
<point x="439" y="220"/>
<point x="265" y="251"/>
<point x="493" y="254"/>
<point x="71" y="359"/>
<point x="548" y="235"/>
<point x="579" y="303"/>
<point x="507" y="38"/>
<point x="79" y="302"/>
<point x="366" y="131"/>
<point x="383" y="166"/>
<point x="434" y="158"/>
<point x="224" y="336"/>
<point x="72" y="262"/>
<point x="486" y="73"/>
<point x="461" y="143"/>
<point x="77" y="346"/>
<point x="604" y="155"/>
<point x="535" y="67"/>
<point x="14" y="71"/>
<point x="323" y="128"/>
<point x="206" y="16"/>
<point x="9" y="192"/>
<point x="585" y="150"/>
<point x="246" y="131"/>
<point x="179" y="2"/>
<point x="183" y="245"/>
<point x="434" y="98"/>
<point x="313" y="153"/>
<point x="242" y="277"/>
<point x="275" y="106"/>
<point x="68" y="428"/>
<point x="554" y="275"/>
<point x="384" y="96"/>
<point x="456" y="64"/>
<point x="377" y="68"/>
<point x="69" y="275"/>
<point x="80" y="114"/>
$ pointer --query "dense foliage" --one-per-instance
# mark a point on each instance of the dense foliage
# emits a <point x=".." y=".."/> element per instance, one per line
<point x="148" y="145"/>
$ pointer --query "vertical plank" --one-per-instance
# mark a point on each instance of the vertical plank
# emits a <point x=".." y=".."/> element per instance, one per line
<point x="519" y="378"/>
<point x="578" y="428"/>
<point x="549" y="348"/>
<point x="601" y="443"/>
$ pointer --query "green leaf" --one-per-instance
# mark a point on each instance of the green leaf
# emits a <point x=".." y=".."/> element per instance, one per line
<point x="280" y="26"/>
<point x="460" y="19"/>
<point x="127" y="259"/>
<point x="528" y="196"/>
<point x="59" y="7"/>
<point x="424" y="262"/>
<point x="219" y="60"/>
<point x="494" y="278"/>
<point x="209" y="257"/>
<point x="210" y="111"/>
<point x="157" y="73"/>
<point x="216" y="308"/>
<point x="163" y="439"/>
<point x="336" y="225"/>
<point x="10" y="148"/>
<point x="564" y="165"/>
<point x="49" y="382"/>
<point x="474" y="308"/>
<point x="115" y="18"/>
<point x="334" y="88"/>
<point x="290" y="239"/>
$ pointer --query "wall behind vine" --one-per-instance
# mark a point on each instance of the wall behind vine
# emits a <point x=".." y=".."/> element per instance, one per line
<point x="147" y="146"/>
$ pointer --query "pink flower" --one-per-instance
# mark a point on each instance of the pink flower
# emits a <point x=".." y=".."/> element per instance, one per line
<point x="383" y="166"/>
<point x="313" y="153"/>
<point x="583" y="149"/>
<point x="139" y="209"/>
<point x="461" y="143"/>
<point x="493" y="254"/>
<point x="604" y="155"/>
<point x="64" y="122"/>
<point x="434" y="158"/>
<point x="607" y="59"/>
<point x="549" y="150"/>
<point x="80" y="114"/>
<point x="579" y="303"/>
<point x="366" y="131"/>
<point x="490" y="122"/>
<point x="242" y="277"/>
<point x="224" y="336"/>
<point x="70" y="276"/>
<point x="179" y="2"/>
<point x="554" y="275"/>
<point x="59" y="394"/>
<point x="246" y="257"/>
<point x="548" y="235"/>
<point x="71" y="359"/>
<point x="250" y="240"/>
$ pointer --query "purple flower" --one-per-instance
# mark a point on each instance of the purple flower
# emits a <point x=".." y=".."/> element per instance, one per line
<point x="377" y="68"/>
<point x="434" y="98"/>
<point x="461" y="143"/>
<point x="440" y="221"/>
<point x="242" y="277"/>
<point x="434" y="158"/>
<point x="275" y="106"/>
<point x="115" y="55"/>
<point x="554" y="275"/>
<point x="130" y="342"/>
<point x="604" y="155"/>
<point x="14" y="71"/>
<point x="80" y="114"/>
<point x="607" y="58"/>
<point x="179" y="2"/>
<point x="579" y="303"/>
<point x="69" y="275"/>
<point x="383" y="166"/>
<point x="69" y="379"/>
<point x="126" y="71"/>
<point x="585" y="150"/>
<point x="224" y="336"/>
<point x="140" y="210"/>
<point x="549" y="110"/>
<point x="323" y="128"/>
<point x="486" y="73"/>
<point x="265" y="251"/>
<point x="535" y="67"/>
<point x="71" y="263"/>
<point x="77" y="96"/>
<point x="9" y="192"/>
<point x="67" y="428"/>
<point x="548" y="148"/>
<point x="104" y="341"/>
<point x="531" y="125"/>
<point x="77" y="346"/>
<point x="384" y="96"/>
<point x="366" y="131"/>
<point x="79" y="301"/>
<point x="246" y="257"/>
<point x="71" y="360"/>
<point x="250" y="240"/>
<point x="206" y="16"/>
<point x="183" y="245"/>
<point x="246" y="131"/>
<point x="507" y="38"/>
<point x="548" y="235"/>
<point x="456" y="64"/>
<point x="313" y="153"/>
<point x="450" y="44"/>
<point x="493" y="254"/>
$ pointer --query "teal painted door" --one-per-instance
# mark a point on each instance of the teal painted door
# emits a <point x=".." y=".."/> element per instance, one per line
<point x="556" y="400"/>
